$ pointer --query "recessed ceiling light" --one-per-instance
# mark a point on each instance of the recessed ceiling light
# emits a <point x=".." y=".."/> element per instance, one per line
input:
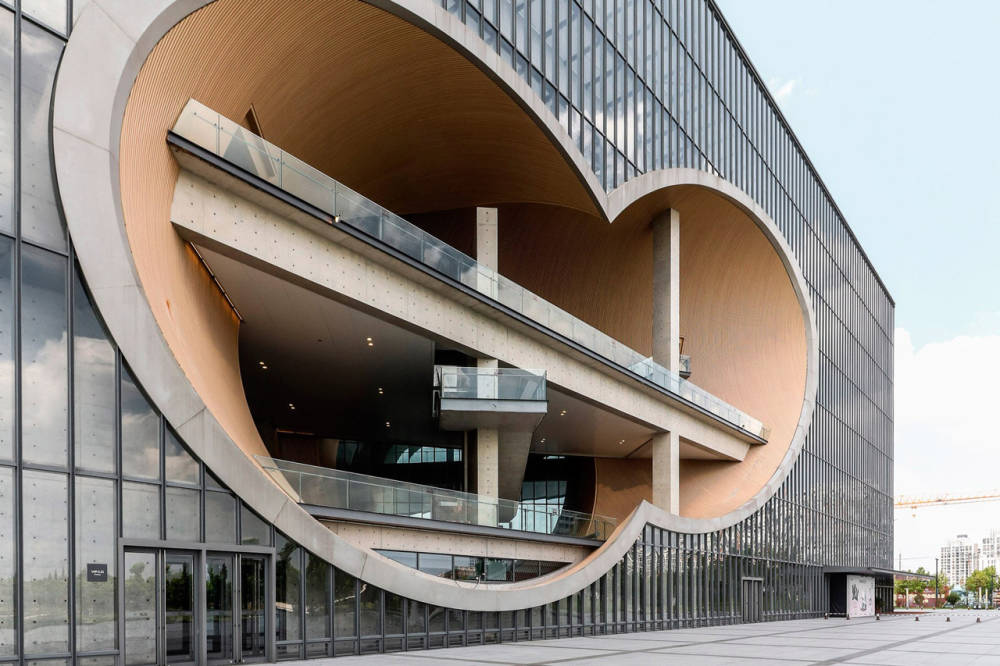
<point x="621" y="441"/>
<point x="562" y="413"/>
<point x="371" y="343"/>
<point x="388" y="425"/>
<point x="542" y="440"/>
<point x="380" y="391"/>
<point x="291" y="405"/>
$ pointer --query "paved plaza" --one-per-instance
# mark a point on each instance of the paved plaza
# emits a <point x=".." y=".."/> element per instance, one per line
<point x="897" y="640"/>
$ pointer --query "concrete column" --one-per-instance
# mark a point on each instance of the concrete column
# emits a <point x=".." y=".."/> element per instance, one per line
<point x="667" y="290"/>
<point x="487" y="452"/>
<point x="666" y="471"/>
<point x="487" y="249"/>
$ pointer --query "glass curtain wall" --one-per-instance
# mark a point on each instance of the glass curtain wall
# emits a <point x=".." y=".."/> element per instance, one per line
<point x="86" y="459"/>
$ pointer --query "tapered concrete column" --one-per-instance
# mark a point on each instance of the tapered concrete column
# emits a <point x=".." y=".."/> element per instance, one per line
<point x="667" y="290"/>
<point x="487" y="453"/>
<point x="487" y="249"/>
<point x="666" y="471"/>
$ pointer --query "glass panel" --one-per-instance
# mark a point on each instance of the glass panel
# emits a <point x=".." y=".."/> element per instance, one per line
<point x="40" y="222"/>
<point x="140" y="608"/>
<point x="344" y="609"/>
<point x="212" y="482"/>
<point x="393" y="613"/>
<point x="46" y="562"/>
<point x="288" y="575"/>
<point x="183" y="513"/>
<point x="6" y="345"/>
<point x="179" y="466"/>
<point x="7" y="122"/>
<point x="8" y="558"/>
<point x="44" y="357"/>
<point x="93" y="386"/>
<point x="140" y="432"/>
<point x="252" y="594"/>
<point x="435" y="564"/>
<point x="178" y="604"/>
<point x="369" y="599"/>
<point x="96" y="571"/>
<point x="140" y="510"/>
<point x="468" y="568"/>
<point x="403" y="557"/>
<point x="317" y="597"/>
<point x="253" y="528"/>
<point x="219" y="607"/>
<point x="50" y="12"/>
<point x="416" y="623"/>
<point x="498" y="570"/>
<point x="220" y="517"/>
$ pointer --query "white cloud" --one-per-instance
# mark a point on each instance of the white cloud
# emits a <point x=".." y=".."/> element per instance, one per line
<point x="782" y="89"/>
<point x="946" y="438"/>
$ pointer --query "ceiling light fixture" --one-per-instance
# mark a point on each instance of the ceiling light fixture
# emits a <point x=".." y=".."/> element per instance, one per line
<point x="562" y="413"/>
<point x="542" y="441"/>
<point x="621" y="441"/>
<point x="291" y="406"/>
<point x="371" y="343"/>
<point x="380" y="392"/>
<point x="388" y="425"/>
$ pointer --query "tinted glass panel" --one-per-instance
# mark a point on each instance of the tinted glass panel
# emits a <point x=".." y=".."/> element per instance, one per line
<point x="50" y="12"/>
<point x="179" y="465"/>
<point x="6" y="122"/>
<point x="253" y="528"/>
<point x="435" y="565"/>
<point x="40" y="221"/>
<point x="369" y="600"/>
<point x="317" y="597"/>
<point x="219" y="606"/>
<point x="6" y="347"/>
<point x="46" y="562"/>
<point x="140" y="432"/>
<point x="140" y="608"/>
<point x="140" y="510"/>
<point x="345" y="613"/>
<point x="96" y="606"/>
<point x="8" y="624"/>
<point x="288" y="573"/>
<point x="93" y="387"/>
<point x="44" y="357"/>
<point x="178" y="606"/>
<point x="220" y="517"/>
<point x="183" y="513"/>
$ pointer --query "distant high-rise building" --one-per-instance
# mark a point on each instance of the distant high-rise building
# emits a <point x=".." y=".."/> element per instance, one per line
<point x="960" y="557"/>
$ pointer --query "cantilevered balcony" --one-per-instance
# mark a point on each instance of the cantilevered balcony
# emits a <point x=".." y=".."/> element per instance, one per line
<point x="500" y="398"/>
<point x="322" y="488"/>
<point x="203" y="132"/>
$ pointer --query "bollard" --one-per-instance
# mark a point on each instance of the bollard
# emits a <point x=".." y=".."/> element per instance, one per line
<point x="847" y="617"/>
<point x="978" y="620"/>
<point x="916" y="618"/>
<point x="948" y="619"/>
<point x="826" y="616"/>
<point x="878" y="617"/>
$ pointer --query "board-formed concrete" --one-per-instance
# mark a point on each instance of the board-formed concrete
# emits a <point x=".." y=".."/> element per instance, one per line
<point x="890" y="641"/>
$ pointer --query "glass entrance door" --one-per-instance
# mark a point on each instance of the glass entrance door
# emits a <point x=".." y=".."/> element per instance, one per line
<point x="178" y="608"/>
<point x="219" y="607"/>
<point x="140" y="612"/>
<point x="252" y="604"/>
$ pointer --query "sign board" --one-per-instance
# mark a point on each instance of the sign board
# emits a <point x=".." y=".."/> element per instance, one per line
<point x="97" y="573"/>
<point x="860" y="596"/>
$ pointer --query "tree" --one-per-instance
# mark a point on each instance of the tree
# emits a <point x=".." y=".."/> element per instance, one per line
<point x="954" y="597"/>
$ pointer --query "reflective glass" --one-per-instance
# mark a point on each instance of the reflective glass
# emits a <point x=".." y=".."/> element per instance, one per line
<point x="140" y="510"/>
<point x="46" y="562"/>
<point x="40" y="222"/>
<point x="93" y="387"/>
<point x="219" y="607"/>
<point x="220" y="517"/>
<point x="140" y="432"/>
<point x="344" y="609"/>
<point x="179" y="465"/>
<point x="44" y="357"/>
<point x="96" y="549"/>
<point x="6" y="347"/>
<point x="6" y="121"/>
<point x="183" y="514"/>
<point x="369" y="601"/>
<point x="288" y="578"/>
<point x="435" y="564"/>
<point x="393" y="613"/>
<point x="253" y="529"/>
<point x="140" y="608"/>
<point x="317" y="597"/>
<point x="178" y="606"/>
<point x="8" y="558"/>
<point x="50" y="12"/>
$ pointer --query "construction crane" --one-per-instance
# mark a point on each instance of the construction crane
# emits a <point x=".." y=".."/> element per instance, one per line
<point x="945" y="499"/>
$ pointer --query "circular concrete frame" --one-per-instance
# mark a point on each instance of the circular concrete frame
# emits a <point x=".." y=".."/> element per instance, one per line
<point x="110" y="42"/>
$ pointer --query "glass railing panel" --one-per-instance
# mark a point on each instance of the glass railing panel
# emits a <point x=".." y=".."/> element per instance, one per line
<point x="489" y="383"/>
<point x="234" y="143"/>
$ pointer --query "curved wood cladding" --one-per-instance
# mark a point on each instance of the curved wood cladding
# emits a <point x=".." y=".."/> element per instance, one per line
<point x="620" y="485"/>
<point x="357" y="93"/>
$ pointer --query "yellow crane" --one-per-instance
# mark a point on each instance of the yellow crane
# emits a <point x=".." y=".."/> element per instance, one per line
<point x="944" y="499"/>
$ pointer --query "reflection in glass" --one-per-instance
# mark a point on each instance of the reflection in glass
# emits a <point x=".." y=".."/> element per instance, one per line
<point x="40" y="221"/>
<point x="46" y="562"/>
<point x="140" y="608"/>
<point x="8" y="621"/>
<point x="7" y="122"/>
<point x="183" y="513"/>
<point x="93" y="387"/>
<point x="288" y="579"/>
<point x="44" y="357"/>
<point x="369" y="600"/>
<point x="6" y="346"/>
<point x="436" y="564"/>
<point x="344" y="609"/>
<point x="393" y="613"/>
<point x="178" y="605"/>
<point x="50" y="12"/>
<point x="252" y="609"/>
<point x="140" y="510"/>
<point x="317" y="599"/>
<point x="96" y="607"/>
<point x="220" y="517"/>
<point x="140" y="432"/>
<point x="219" y="606"/>
<point x="179" y="465"/>
<point x="253" y="529"/>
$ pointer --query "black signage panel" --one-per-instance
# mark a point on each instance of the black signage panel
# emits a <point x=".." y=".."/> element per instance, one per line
<point x="97" y="573"/>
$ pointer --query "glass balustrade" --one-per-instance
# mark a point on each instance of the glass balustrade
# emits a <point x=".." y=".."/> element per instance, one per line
<point x="333" y="488"/>
<point x="237" y="145"/>
<point x="455" y="382"/>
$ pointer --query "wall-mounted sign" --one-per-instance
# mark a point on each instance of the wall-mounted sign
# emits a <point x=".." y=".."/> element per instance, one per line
<point x="97" y="573"/>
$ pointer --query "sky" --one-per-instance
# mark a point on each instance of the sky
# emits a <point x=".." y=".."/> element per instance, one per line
<point x="897" y="105"/>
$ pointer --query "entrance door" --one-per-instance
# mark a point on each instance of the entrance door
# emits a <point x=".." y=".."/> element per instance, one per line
<point x="141" y="602"/>
<point x="753" y="599"/>
<point x="179" y="635"/>
<point x="252" y="603"/>
<point x="219" y="591"/>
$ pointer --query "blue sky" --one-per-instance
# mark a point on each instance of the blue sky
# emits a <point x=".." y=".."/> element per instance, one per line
<point x="898" y="106"/>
